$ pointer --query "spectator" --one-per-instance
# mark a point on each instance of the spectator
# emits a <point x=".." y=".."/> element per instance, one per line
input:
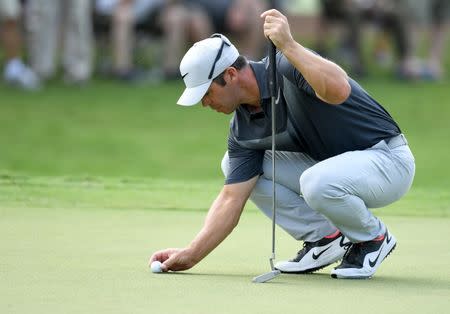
<point x="15" y="71"/>
<point x="435" y="14"/>
<point x="122" y="17"/>
<point x="388" y="16"/>
<point x="440" y="10"/>
<point x="181" y="26"/>
<point x="169" y="19"/>
<point x="344" y="11"/>
<point x="44" y="20"/>
<point x="237" y="18"/>
<point x="391" y="16"/>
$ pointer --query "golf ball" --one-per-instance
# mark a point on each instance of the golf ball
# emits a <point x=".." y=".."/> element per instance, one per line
<point x="156" y="267"/>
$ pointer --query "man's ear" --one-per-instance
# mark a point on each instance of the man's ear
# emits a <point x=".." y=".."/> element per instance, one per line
<point x="230" y="74"/>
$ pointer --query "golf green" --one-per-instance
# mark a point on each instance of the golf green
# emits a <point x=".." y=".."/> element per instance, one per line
<point x="94" y="260"/>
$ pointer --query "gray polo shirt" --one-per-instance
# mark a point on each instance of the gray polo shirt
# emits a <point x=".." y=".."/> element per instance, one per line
<point x="304" y="123"/>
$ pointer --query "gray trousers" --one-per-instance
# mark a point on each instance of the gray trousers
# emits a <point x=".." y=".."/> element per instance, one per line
<point x="316" y="198"/>
<point x="48" y="22"/>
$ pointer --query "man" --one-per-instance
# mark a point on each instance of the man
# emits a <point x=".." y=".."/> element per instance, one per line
<point x="15" y="71"/>
<point x="66" y="24"/>
<point x="338" y="154"/>
<point x="238" y="18"/>
<point x="123" y="15"/>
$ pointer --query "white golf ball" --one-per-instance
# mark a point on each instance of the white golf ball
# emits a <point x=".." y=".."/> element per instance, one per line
<point x="156" y="267"/>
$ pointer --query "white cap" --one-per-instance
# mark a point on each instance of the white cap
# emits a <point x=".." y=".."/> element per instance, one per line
<point x="202" y="63"/>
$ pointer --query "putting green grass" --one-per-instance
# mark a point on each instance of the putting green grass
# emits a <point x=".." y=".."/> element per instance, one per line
<point x="81" y="246"/>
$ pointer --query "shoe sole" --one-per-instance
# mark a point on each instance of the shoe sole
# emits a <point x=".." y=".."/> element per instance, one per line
<point x="335" y="276"/>
<point x="307" y="271"/>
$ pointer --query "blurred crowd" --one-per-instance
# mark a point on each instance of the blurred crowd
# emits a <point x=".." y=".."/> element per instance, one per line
<point x="78" y="38"/>
<point x="403" y="29"/>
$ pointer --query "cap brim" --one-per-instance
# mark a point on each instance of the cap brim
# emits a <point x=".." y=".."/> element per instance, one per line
<point x="193" y="95"/>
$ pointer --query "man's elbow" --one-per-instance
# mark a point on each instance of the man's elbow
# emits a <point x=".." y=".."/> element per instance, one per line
<point x="345" y="91"/>
<point x="341" y="93"/>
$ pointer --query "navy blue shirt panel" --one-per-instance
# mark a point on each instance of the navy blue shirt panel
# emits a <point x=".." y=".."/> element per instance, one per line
<point x="304" y="123"/>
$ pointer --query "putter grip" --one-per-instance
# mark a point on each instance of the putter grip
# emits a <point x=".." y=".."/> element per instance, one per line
<point x="272" y="70"/>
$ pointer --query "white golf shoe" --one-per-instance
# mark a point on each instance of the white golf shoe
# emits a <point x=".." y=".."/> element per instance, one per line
<point x="316" y="255"/>
<point x="362" y="259"/>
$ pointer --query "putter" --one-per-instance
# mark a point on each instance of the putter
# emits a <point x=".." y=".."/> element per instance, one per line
<point x="273" y="94"/>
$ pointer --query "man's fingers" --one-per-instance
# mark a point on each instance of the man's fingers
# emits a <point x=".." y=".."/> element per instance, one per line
<point x="153" y="258"/>
<point x="174" y="262"/>
<point x="161" y="256"/>
<point x="273" y="19"/>
<point x="173" y="259"/>
<point x="271" y="12"/>
<point x="167" y="265"/>
<point x="274" y="23"/>
<point x="164" y="267"/>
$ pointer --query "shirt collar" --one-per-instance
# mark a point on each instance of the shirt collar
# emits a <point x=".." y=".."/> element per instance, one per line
<point x="260" y="70"/>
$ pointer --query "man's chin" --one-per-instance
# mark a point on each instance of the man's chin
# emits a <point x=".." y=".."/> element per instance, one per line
<point x="224" y="110"/>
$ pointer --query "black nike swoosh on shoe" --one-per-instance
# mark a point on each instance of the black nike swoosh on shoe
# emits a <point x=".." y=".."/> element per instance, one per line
<point x="389" y="238"/>
<point x="314" y="256"/>
<point x="183" y="76"/>
<point x="373" y="263"/>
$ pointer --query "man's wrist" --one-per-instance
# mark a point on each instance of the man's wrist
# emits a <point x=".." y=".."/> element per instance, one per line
<point x="291" y="48"/>
<point x="193" y="253"/>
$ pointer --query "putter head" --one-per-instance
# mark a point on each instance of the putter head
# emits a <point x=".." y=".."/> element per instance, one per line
<point x="266" y="277"/>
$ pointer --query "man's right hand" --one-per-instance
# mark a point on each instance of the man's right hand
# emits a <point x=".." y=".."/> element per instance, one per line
<point x="174" y="259"/>
<point x="221" y="219"/>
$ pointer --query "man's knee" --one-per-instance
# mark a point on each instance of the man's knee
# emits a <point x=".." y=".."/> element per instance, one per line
<point x="317" y="189"/>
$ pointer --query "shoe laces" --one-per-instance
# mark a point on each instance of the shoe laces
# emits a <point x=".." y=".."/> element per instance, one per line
<point x="353" y="253"/>
<point x="307" y="246"/>
<point x="305" y="249"/>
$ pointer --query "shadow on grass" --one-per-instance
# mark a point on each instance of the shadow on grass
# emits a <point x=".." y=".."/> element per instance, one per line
<point x="281" y="279"/>
<point x="324" y="278"/>
<point x="377" y="281"/>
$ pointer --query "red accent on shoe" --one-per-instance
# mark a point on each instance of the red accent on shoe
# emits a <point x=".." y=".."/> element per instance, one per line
<point x="333" y="235"/>
<point x="379" y="238"/>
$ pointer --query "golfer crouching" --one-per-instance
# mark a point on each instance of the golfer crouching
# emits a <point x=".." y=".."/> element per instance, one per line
<point x="338" y="154"/>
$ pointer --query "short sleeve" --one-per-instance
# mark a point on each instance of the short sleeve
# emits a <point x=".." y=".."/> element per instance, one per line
<point x="244" y="163"/>
<point x="294" y="76"/>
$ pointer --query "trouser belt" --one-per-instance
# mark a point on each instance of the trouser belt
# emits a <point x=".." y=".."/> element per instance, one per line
<point x="396" y="141"/>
